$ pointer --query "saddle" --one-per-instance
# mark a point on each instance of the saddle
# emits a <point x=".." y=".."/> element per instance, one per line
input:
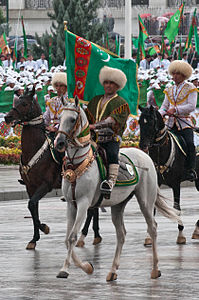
<point x="180" y="142"/>
<point x="127" y="174"/>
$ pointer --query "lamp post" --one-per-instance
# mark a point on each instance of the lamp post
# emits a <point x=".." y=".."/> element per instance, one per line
<point x="128" y="43"/>
<point x="7" y="17"/>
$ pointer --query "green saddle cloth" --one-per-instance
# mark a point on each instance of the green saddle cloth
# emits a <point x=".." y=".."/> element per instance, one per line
<point x="127" y="174"/>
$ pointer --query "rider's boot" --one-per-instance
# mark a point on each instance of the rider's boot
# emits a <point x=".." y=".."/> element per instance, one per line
<point x="106" y="186"/>
<point x="191" y="174"/>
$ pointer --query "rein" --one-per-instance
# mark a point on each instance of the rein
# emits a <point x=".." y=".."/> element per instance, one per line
<point x="71" y="171"/>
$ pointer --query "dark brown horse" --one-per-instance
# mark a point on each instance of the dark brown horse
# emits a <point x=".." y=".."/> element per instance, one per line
<point x="38" y="169"/>
<point x="169" y="160"/>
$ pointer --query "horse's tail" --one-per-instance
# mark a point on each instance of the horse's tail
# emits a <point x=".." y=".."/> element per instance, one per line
<point x="165" y="209"/>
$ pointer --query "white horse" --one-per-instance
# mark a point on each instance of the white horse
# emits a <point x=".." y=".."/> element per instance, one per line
<point x="81" y="188"/>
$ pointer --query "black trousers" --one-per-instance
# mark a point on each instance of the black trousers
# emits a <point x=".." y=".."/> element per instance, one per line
<point x="187" y="134"/>
<point x="112" y="151"/>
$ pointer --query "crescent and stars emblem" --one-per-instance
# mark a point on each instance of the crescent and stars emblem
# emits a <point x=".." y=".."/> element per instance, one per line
<point x="104" y="58"/>
<point x="177" y="18"/>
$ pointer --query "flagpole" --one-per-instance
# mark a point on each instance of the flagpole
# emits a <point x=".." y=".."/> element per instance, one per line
<point x="128" y="43"/>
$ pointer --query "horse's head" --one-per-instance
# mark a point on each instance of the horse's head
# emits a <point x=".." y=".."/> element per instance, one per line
<point x="151" y="123"/>
<point x="73" y="122"/>
<point x="26" y="108"/>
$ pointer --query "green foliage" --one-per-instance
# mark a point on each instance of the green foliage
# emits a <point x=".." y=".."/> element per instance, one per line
<point x="81" y="16"/>
<point x="2" y="17"/>
<point x="3" y="24"/>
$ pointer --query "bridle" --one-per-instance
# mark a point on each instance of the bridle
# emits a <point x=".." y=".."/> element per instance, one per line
<point x="71" y="136"/>
<point x="159" y="134"/>
<point x="27" y="119"/>
<point x="75" y="127"/>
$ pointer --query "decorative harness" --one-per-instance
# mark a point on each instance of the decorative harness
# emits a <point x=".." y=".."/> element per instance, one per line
<point x="71" y="171"/>
<point x="33" y="161"/>
<point x="33" y="122"/>
<point x="163" y="168"/>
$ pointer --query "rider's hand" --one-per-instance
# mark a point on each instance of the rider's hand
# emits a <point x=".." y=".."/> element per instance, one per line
<point x="171" y="111"/>
<point x="51" y="128"/>
<point x="92" y="127"/>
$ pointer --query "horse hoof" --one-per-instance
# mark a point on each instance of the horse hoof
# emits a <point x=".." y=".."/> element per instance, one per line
<point x="181" y="240"/>
<point x="195" y="236"/>
<point x="31" y="246"/>
<point x="148" y="241"/>
<point x="44" y="228"/>
<point x="111" y="276"/>
<point x="88" y="268"/>
<point x="62" y="274"/>
<point x="80" y="244"/>
<point x="97" y="240"/>
<point x="155" y="274"/>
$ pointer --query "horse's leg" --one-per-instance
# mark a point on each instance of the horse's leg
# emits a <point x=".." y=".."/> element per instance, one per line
<point x="195" y="234"/>
<point x="33" y="206"/>
<point x="146" y="196"/>
<point x="117" y="219"/>
<point x="80" y="242"/>
<point x="181" y="239"/>
<point x="97" y="238"/>
<point x="75" y="217"/>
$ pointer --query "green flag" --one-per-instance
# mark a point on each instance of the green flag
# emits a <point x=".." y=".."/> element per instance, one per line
<point x="180" y="50"/>
<point x="24" y="39"/>
<point x="143" y="35"/>
<point x="191" y="31"/>
<point x="4" y="44"/>
<point x="84" y="61"/>
<point x="173" y="24"/>
<point x="107" y="41"/>
<point x="135" y="42"/>
<point x="196" y="39"/>
<point x="14" y="57"/>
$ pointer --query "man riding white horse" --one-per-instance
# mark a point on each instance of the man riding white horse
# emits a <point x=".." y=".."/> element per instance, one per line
<point x="107" y="114"/>
<point x="180" y="100"/>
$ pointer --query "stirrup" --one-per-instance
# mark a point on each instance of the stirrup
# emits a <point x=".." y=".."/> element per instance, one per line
<point x="106" y="189"/>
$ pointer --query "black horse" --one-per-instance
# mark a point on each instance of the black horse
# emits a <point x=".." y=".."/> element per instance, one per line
<point x="169" y="158"/>
<point x="39" y="169"/>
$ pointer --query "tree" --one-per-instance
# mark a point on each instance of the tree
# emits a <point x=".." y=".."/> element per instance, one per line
<point x="3" y="24"/>
<point x="81" y="16"/>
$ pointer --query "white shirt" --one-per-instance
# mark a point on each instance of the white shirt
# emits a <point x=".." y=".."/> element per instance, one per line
<point x="165" y="64"/>
<point x="144" y="63"/>
<point x="155" y="63"/>
<point x="32" y="64"/>
<point x="41" y="62"/>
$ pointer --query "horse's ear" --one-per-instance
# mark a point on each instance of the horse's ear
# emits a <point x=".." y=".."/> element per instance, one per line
<point x="32" y="92"/>
<point x="151" y="108"/>
<point x="64" y="102"/>
<point x="76" y="100"/>
<point x="140" y="107"/>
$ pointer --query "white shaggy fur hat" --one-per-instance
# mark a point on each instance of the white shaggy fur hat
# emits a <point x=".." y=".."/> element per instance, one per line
<point x="181" y="67"/>
<point x="60" y="77"/>
<point x="112" y="74"/>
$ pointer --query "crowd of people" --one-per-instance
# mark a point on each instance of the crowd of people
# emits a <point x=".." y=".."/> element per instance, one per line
<point x="155" y="71"/>
<point x="26" y="74"/>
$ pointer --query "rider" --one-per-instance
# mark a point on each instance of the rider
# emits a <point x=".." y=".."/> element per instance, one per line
<point x="54" y="106"/>
<point x="107" y="114"/>
<point x="180" y="100"/>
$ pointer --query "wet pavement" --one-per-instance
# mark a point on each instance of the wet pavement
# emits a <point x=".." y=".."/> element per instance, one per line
<point x="28" y="275"/>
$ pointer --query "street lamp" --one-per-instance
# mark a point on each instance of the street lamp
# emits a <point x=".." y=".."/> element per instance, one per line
<point x="7" y="17"/>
